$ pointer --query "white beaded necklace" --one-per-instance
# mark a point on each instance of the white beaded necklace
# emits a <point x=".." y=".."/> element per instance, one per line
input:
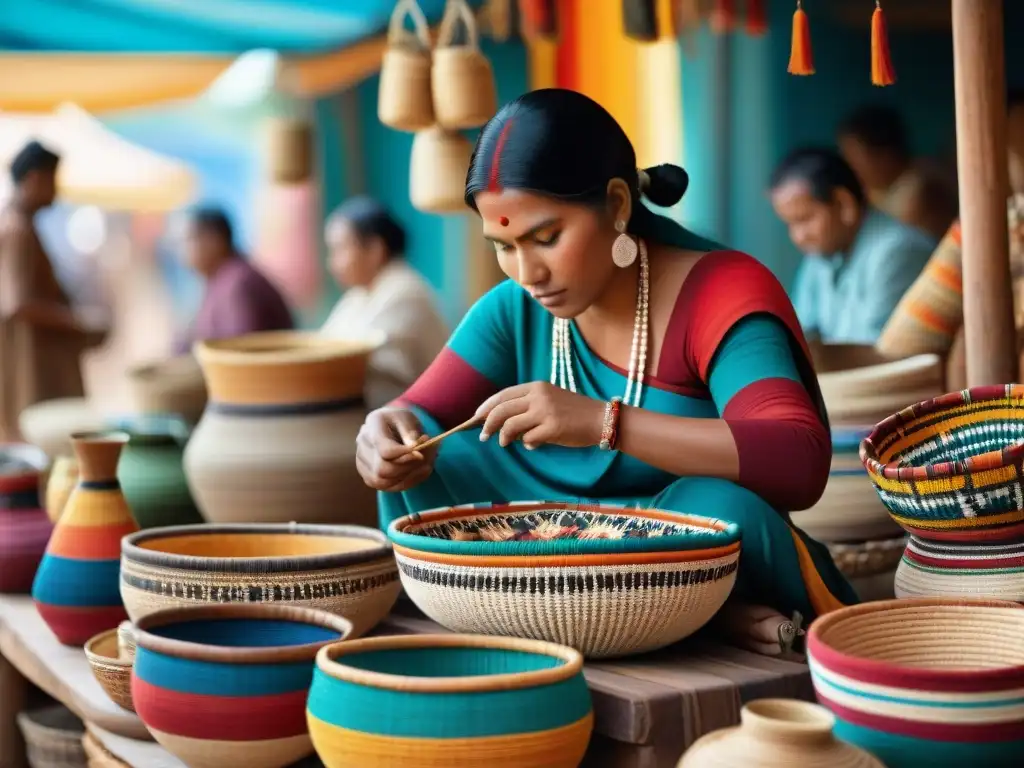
<point x="561" y="343"/>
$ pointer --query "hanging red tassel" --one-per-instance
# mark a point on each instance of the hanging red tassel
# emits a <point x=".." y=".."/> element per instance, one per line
<point x="882" y="71"/>
<point x="538" y="19"/>
<point x="801" y="58"/>
<point x="723" y="16"/>
<point x="757" y="18"/>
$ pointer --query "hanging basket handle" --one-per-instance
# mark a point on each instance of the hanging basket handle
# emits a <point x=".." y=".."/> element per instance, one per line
<point x="454" y="11"/>
<point x="399" y="35"/>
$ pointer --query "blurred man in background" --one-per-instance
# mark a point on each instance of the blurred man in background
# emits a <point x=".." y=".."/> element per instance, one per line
<point x="858" y="262"/>
<point x="238" y="298"/>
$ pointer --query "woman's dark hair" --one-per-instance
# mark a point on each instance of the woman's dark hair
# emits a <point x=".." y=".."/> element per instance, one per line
<point x="214" y="220"/>
<point x="822" y="170"/>
<point x="369" y="219"/>
<point x="33" y="157"/>
<point x="879" y="128"/>
<point x="562" y="144"/>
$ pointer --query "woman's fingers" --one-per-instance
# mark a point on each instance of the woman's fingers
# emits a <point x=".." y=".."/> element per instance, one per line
<point x="516" y="426"/>
<point x="511" y="393"/>
<point x="501" y="413"/>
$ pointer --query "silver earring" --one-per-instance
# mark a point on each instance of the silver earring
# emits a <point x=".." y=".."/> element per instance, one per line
<point x="624" y="249"/>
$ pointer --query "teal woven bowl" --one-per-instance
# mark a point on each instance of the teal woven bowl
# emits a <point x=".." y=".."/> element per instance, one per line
<point x="459" y="701"/>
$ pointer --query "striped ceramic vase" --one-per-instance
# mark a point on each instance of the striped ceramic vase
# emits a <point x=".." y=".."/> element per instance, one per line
<point x="77" y="586"/>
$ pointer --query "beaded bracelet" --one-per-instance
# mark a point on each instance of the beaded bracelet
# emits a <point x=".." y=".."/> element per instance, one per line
<point x="610" y="428"/>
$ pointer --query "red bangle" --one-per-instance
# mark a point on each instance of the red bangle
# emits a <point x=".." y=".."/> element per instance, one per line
<point x="610" y="428"/>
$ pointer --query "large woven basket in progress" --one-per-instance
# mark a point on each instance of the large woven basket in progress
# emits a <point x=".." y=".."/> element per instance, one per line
<point x="868" y="394"/>
<point x="953" y="465"/>
<point x="924" y="682"/>
<point x="607" y="580"/>
<point x="53" y="736"/>
<point x="342" y="569"/>
<point x="957" y="569"/>
<point x="449" y="701"/>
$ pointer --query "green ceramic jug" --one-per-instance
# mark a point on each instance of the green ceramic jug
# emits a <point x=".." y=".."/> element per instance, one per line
<point x="151" y="474"/>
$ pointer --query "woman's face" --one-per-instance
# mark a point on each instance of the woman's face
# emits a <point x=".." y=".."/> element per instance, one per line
<point x="352" y="261"/>
<point x="559" y="252"/>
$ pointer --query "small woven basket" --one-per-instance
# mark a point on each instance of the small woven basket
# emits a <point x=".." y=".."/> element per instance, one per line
<point x="404" y="100"/>
<point x="953" y="465"/>
<point x="462" y="80"/>
<point x="53" y="736"/>
<point x="98" y="755"/>
<point x="868" y="558"/>
<point x="112" y="670"/>
<point x="437" y="170"/>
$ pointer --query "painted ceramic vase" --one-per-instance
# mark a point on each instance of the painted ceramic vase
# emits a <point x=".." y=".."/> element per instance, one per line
<point x="461" y="701"/>
<point x="59" y="485"/>
<point x="227" y="685"/>
<point x="924" y="682"/>
<point x="24" y="527"/>
<point x="277" y="440"/>
<point x="77" y="587"/>
<point x="777" y="733"/>
<point x="152" y="474"/>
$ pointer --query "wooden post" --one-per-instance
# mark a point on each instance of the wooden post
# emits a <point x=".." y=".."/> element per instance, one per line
<point x="13" y="695"/>
<point x="980" y="83"/>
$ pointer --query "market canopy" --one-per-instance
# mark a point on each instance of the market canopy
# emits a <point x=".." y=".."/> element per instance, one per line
<point x="113" y="54"/>
<point x="98" y="167"/>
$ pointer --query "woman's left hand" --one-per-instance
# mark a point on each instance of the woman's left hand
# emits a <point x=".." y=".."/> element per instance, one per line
<point x="540" y="413"/>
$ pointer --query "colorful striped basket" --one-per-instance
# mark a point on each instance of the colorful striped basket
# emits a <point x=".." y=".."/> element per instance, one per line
<point x="932" y="568"/>
<point x="449" y="701"/>
<point x="924" y="682"/>
<point x="342" y="569"/>
<point x="226" y="685"/>
<point x="607" y="580"/>
<point x="953" y="465"/>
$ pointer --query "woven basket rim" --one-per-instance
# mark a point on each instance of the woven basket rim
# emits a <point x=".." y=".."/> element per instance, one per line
<point x="184" y="649"/>
<point x="285" y="348"/>
<point x="719" y="533"/>
<point x="893" y="470"/>
<point x="326" y="662"/>
<point x="95" y="657"/>
<point x="902" y="676"/>
<point x="131" y="551"/>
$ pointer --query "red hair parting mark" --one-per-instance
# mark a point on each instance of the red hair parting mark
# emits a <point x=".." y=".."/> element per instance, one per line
<point x="492" y="182"/>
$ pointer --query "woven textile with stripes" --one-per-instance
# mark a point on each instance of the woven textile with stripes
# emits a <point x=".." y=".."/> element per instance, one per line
<point x="953" y="465"/>
<point x="954" y="569"/>
<point x="607" y="580"/>
<point x="924" y="682"/>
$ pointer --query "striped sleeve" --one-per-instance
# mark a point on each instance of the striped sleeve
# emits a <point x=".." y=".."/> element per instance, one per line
<point x="478" y="360"/>
<point x="784" y="447"/>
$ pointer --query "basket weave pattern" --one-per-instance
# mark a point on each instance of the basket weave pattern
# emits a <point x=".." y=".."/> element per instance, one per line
<point x="954" y="569"/>
<point x="53" y="736"/>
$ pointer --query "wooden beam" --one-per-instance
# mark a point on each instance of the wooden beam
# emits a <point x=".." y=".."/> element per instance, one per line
<point x="980" y="85"/>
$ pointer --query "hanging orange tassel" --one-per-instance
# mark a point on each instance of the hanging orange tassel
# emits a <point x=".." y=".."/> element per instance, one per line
<point x="801" y="58"/>
<point x="723" y="16"/>
<point x="757" y="18"/>
<point x="882" y="72"/>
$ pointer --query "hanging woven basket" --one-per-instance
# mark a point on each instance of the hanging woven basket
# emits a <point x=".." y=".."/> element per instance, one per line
<point x="404" y="100"/>
<point x="465" y="95"/>
<point x="289" y="150"/>
<point x="437" y="170"/>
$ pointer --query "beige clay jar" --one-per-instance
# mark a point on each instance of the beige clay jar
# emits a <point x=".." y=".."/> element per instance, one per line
<point x="777" y="733"/>
<point x="276" y="442"/>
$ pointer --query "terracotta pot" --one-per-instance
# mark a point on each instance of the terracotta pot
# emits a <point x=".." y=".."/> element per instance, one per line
<point x="777" y="733"/>
<point x="277" y="440"/>
<point x="62" y="479"/>
<point x="462" y="80"/>
<point x="24" y="527"/>
<point x="437" y="171"/>
<point x="77" y="587"/>
<point x="227" y="685"/>
<point x="404" y="100"/>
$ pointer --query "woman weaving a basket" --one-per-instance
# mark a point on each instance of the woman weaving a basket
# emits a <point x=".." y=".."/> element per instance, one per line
<point x="626" y="359"/>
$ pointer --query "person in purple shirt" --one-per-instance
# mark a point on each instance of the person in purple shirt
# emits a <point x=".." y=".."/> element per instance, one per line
<point x="238" y="298"/>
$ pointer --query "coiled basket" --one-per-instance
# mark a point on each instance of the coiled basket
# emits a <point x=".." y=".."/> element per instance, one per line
<point x="449" y="701"/>
<point x="953" y="467"/>
<point x="607" y="580"/>
<point x="924" y="682"/>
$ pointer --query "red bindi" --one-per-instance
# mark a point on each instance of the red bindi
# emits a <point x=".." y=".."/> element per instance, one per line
<point x="503" y="221"/>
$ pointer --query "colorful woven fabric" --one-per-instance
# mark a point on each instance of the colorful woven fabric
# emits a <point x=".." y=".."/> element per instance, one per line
<point x="950" y="569"/>
<point x="927" y="682"/>
<point x="954" y="463"/>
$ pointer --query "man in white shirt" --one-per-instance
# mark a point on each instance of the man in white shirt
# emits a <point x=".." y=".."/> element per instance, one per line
<point x="383" y="294"/>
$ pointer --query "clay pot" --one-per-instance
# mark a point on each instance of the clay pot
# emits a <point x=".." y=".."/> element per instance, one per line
<point x="462" y="80"/>
<point x="404" y="101"/>
<point x="61" y="482"/>
<point x="174" y="386"/>
<point x="777" y="733"/>
<point x="77" y="590"/>
<point x="24" y="527"/>
<point x="437" y="171"/>
<point x="152" y="474"/>
<point x="277" y="440"/>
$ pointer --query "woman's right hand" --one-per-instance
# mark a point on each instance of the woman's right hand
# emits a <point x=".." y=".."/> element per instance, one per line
<point x="382" y="451"/>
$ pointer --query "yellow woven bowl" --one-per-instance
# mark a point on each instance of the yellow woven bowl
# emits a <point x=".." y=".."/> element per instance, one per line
<point x="113" y="672"/>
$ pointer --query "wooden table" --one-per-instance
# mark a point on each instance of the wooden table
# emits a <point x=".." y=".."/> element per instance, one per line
<point x="647" y="709"/>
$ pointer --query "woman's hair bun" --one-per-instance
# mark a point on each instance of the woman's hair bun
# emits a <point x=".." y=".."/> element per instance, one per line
<point x="666" y="184"/>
